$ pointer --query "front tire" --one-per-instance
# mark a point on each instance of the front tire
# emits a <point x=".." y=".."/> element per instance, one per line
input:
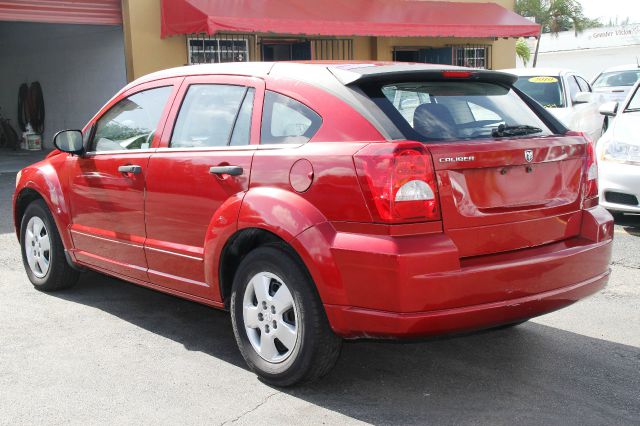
<point x="278" y="320"/>
<point x="42" y="250"/>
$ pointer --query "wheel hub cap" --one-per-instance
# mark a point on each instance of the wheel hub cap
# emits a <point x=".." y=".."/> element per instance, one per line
<point x="270" y="317"/>
<point x="37" y="246"/>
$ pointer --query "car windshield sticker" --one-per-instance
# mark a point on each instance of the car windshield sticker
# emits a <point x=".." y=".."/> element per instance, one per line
<point x="546" y="79"/>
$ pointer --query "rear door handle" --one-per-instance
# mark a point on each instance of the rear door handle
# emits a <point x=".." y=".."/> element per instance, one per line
<point x="226" y="170"/>
<point x="132" y="168"/>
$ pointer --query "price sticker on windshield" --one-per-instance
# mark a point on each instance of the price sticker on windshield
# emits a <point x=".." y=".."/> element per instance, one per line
<point x="547" y="79"/>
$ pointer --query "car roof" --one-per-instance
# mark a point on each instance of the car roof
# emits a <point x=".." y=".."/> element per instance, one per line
<point x="346" y="72"/>
<point x="532" y="72"/>
<point x="628" y="67"/>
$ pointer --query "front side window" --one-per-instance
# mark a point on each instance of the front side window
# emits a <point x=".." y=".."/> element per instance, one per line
<point x="131" y="123"/>
<point x="545" y="89"/>
<point x="286" y="120"/>
<point x="573" y="87"/>
<point x="584" y="86"/>
<point x="209" y="114"/>
<point x="441" y="111"/>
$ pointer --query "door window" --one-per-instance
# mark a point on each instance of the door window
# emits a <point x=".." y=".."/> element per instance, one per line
<point x="584" y="86"/>
<point x="209" y="113"/>
<point x="286" y="120"/>
<point x="573" y="87"/>
<point x="131" y="123"/>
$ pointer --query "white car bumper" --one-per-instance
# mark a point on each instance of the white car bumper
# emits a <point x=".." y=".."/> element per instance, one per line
<point x="619" y="186"/>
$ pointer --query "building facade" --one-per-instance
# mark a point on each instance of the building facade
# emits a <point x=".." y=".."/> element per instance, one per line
<point x="166" y="33"/>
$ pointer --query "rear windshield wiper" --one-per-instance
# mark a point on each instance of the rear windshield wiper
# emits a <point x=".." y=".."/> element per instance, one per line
<point x="517" y="130"/>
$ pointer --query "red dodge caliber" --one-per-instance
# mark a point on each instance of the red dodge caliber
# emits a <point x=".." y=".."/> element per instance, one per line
<point x="322" y="201"/>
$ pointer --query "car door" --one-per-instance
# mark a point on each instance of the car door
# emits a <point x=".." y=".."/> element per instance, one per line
<point x="107" y="183"/>
<point x="216" y="125"/>
<point x="593" y="119"/>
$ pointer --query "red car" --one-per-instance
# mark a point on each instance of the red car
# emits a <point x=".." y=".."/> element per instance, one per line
<point x="321" y="201"/>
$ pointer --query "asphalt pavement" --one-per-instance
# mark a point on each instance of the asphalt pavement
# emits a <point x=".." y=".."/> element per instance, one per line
<point x="109" y="352"/>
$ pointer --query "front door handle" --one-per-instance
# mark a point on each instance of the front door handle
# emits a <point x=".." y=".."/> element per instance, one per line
<point x="226" y="170"/>
<point x="132" y="168"/>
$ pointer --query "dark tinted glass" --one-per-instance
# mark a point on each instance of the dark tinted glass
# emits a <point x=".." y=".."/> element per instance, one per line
<point x="546" y="90"/>
<point x="440" y="111"/>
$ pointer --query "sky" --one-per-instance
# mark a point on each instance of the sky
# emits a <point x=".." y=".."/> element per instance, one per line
<point x="605" y="9"/>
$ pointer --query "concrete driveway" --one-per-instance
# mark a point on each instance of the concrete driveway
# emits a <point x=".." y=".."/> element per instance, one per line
<point x="111" y="352"/>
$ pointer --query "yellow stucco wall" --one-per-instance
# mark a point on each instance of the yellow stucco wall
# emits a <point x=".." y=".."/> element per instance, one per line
<point x="146" y="52"/>
<point x="144" y="49"/>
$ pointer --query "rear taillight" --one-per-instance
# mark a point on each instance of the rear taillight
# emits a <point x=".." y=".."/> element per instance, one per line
<point x="398" y="182"/>
<point x="590" y="192"/>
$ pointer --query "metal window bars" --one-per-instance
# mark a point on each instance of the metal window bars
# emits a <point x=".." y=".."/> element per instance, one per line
<point x="205" y="49"/>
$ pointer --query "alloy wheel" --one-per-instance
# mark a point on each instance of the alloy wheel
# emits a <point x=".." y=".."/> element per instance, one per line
<point x="37" y="246"/>
<point x="270" y="317"/>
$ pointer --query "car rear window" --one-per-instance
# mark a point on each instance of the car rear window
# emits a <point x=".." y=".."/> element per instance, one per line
<point x="443" y="110"/>
<point x="617" y="78"/>
<point x="545" y="89"/>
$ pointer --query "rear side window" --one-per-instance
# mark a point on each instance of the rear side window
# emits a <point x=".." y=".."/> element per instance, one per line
<point x="210" y="113"/>
<point x="131" y="123"/>
<point x="286" y="120"/>
<point x="445" y="110"/>
<point x="545" y="89"/>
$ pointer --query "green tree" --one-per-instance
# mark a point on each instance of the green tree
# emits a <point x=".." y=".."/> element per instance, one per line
<point x="556" y="15"/>
<point x="523" y="51"/>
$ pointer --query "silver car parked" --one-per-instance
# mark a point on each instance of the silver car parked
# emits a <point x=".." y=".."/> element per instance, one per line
<point x="618" y="152"/>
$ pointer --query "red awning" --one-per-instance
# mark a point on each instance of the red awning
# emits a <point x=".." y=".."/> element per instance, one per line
<point x="98" y="12"/>
<point x="402" y="18"/>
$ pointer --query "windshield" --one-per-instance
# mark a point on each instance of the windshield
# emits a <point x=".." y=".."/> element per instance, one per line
<point x="545" y="89"/>
<point x="617" y="78"/>
<point x="443" y="110"/>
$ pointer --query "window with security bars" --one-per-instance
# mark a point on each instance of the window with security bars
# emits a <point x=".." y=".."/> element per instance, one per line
<point x="472" y="56"/>
<point x="211" y="50"/>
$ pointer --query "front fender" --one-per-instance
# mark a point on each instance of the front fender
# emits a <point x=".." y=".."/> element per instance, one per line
<point x="45" y="180"/>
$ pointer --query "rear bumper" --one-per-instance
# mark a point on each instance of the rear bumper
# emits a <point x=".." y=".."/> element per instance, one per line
<point x="356" y="322"/>
<point x="419" y="285"/>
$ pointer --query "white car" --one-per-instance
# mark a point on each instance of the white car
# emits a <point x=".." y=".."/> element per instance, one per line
<point x="618" y="153"/>
<point x="616" y="82"/>
<point x="566" y="95"/>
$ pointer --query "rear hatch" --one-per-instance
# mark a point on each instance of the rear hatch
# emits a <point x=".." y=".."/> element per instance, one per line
<point x="501" y="195"/>
<point x="508" y="175"/>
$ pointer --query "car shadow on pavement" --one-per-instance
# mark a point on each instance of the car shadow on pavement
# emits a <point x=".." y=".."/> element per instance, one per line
<point x="531" y="374"/>
<point x="630" y="223"/>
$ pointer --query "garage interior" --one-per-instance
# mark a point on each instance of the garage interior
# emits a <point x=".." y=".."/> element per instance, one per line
<point x="79" y="65"/>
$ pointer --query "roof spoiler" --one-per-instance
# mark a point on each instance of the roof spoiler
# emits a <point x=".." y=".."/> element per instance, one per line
<point x="400" y="72"/>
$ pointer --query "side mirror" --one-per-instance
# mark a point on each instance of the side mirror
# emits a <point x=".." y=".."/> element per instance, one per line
<point x="610" y="109"/>
<point x="582" y="98"/>
<point x="69" y="141"/>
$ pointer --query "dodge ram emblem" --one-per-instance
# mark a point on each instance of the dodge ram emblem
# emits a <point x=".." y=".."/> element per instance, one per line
<point x="528" y="155"/>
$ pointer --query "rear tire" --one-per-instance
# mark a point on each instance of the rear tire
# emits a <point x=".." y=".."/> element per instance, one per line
<point x="42" y="250"/>
<point x="278" y="319"/>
